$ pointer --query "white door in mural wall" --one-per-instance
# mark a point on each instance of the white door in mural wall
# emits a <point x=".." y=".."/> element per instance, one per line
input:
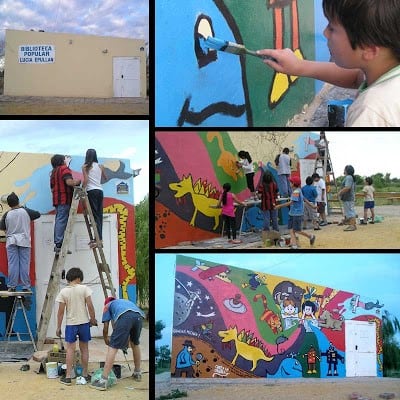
<point x="360" y="348"/>
<point x="81" y="257"/>
<point x="126" y="72"/>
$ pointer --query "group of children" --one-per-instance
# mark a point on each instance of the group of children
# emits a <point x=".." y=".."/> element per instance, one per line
<point x="305" y="203"/>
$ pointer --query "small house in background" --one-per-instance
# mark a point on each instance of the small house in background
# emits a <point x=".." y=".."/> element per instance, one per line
<point x="71" y="65"/>
<point x="231" y="322"/>
<point x="28" y="175"/>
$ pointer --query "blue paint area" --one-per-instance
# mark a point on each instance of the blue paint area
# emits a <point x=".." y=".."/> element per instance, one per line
<point x="38" y="185"/>
<point x="324" y="344"/>
<point x="321" y="48"/>
<point x="289" y="368"/>
<point x="194" y="85"/>
<point x="305" y="145"/>
<point x="131" y="289"/>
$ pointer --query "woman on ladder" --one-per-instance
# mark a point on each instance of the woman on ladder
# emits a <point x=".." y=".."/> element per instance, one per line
<point x="93" y="172"/>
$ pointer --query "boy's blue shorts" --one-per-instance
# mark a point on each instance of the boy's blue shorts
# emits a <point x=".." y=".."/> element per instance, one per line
<point x="295" y="222"/>
<point x="369" y="204"/>
<point x="82" y="331"/>
<point x="128" y="326"/>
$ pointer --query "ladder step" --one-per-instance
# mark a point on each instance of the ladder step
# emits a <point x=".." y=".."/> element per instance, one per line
<point x="79" y="197"/>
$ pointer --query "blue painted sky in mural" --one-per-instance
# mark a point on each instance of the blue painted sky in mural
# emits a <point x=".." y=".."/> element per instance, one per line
<point x="199" y="94"/>
<point x="374" y="276"/>
<point x="127" y="140"/>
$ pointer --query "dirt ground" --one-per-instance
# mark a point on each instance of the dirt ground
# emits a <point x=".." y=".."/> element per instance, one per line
<point x="29" y="385"/>
<point x="382" y="235"/>
<point x="23" y="385"/>
<point x="288" y="389"/>
<point x="72" y="106"/>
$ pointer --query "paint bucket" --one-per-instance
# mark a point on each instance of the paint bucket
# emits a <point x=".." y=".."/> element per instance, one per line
<point x="116" y="369"/>
<point x="337" y="112"/>
<point x="52" y="370"/>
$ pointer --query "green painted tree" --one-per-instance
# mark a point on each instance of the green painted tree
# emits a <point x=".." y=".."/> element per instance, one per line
<point x="391" y="348"/>
<point x="142" y="251"/>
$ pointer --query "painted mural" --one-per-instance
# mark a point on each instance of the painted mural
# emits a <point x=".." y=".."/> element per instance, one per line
<point x="233" y="322"/>
<point x="191" y="168"/>
<point x="198" y="86"/>
<point x="28" y="176"/>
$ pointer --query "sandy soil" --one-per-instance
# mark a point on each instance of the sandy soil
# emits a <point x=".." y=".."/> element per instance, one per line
<point x="288" y="389"/>
<point x="47" y="107"/>
<point x="23" y="385"/>
<point x="383" y="235"/>
<point x="29" y="385"/>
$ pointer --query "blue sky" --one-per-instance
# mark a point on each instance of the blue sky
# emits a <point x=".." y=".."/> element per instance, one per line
<point x="368" y="152"/>
<point x="119" y="18"/>
<point x="112" y="139"/>
<point x="375" y="276"/>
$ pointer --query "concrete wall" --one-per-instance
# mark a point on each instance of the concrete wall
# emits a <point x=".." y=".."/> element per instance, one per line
<point x="246" y="324"/>
<point x="28" y="175"/>
<point x="197" y="87"/>
<point x="191" y="168"/>
<point x="80" y="69"/>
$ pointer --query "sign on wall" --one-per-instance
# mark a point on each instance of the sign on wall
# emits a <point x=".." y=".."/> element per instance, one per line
<point x="37" y="54"/>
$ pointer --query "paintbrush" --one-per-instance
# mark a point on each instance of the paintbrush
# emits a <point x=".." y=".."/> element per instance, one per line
<point x="233" y="48"/>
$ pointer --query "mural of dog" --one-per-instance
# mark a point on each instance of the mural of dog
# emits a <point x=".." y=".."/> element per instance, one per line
<point x="251" y="353"/>
<point x="201" y="201"/>
<point x="326" y="320"/>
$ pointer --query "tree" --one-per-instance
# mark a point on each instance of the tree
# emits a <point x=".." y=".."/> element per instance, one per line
<point x="391" y="349"/>
<point x="159" y="327"/>
<point x="142" y="251"/>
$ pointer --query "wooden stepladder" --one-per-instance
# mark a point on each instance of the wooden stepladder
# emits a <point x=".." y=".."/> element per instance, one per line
<point x="324" y="167"/>
<point x="79" y="198"/>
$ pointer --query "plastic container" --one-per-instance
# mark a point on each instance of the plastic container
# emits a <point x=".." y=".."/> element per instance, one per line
<point x="116" y="369"/>
<point x="337" y="112"/>
<point x="52" y="370"/>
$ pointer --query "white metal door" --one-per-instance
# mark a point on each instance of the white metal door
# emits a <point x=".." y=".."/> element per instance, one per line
<point x="126" y="72"/>
<point x="81" y="257"/>
<point x="361" y="348"/>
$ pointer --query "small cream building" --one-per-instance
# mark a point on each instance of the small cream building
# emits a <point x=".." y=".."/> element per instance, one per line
<point x="70" y="65"/>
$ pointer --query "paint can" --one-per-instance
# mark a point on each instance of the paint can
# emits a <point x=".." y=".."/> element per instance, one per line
<point x="117" y="370"/>
<point x="52" y="370"/>
<point x="337" y="112"/>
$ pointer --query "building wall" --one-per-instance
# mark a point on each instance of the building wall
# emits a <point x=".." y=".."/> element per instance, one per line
<point x="247" y="324"/>
<point x="28" y="175"/>
<point x="81" y="69"/>
<point x="200" y="87"/>
<point x="191" y="168"/>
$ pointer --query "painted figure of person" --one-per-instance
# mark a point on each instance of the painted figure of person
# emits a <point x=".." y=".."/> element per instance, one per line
<point x="184" y="361"/>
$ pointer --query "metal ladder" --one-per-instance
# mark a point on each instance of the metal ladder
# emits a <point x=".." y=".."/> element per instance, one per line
<point x="19" y="305"/>
<point x="324" y="167"/>
<point x="79" y="198"/>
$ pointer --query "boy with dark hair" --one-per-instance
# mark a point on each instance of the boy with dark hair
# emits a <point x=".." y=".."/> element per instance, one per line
<point x="319" y="184"/>
<point x="369" y="202"/>
<point x="76" y="300"/>
<point x="310" y="193"/>
<point x="17" y="224"/>
<point x="363" y="39"/>
<point x="61" y="185"/>
<point x="296" y="213"/>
